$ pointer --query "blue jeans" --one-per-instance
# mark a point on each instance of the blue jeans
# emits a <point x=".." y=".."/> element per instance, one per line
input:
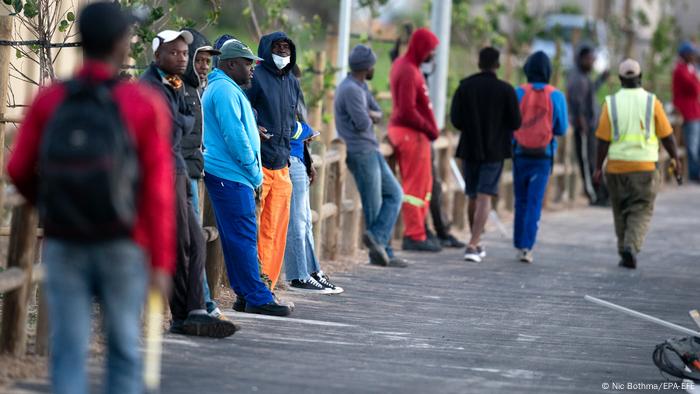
<point x="299" y="256"/>
<point x="234" y="207"/>
<point x="380" y="193"/>
<point x="691" y="134"/>
<point x="115" y="274"/>
<point x="194" y="186"/>
<point x="530" y="177"/>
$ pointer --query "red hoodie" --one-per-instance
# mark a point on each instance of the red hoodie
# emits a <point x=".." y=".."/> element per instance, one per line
<point x="686" y="91"/>
<point x="412" y="106"/>
<point x="147" y="118"/>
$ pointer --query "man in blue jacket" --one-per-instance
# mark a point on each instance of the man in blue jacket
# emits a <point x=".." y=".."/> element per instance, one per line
<point x="274" y="94"/>
<point x="534" y="148"/>
<point x="232" y="173"/>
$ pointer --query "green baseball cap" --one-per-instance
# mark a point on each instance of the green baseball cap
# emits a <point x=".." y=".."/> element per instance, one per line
<point x="234" y="48"/>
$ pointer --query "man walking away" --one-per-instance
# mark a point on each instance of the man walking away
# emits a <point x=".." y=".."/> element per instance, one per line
<point x="187" y="302"/>
<point x="233" y="173"/>
<point x="356" y="112"/>
<point x="686" y="99"/>
<point x="195" y="78"/>
<point x="485" y="110"/>
<point x="102" y="224"/>
<point x="544" y="116"/>
<point x="411" y="129"/>
<point x="581" y="94"/>
<point x="274" y="95"/>
<point x="631" y="124"/>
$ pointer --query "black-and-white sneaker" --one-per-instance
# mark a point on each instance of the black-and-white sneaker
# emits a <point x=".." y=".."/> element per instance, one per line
<point x="325" y="281"/>
<point x="307" y="286"/>
<point x="482" y="251"/>
<point x="472" y="254"/>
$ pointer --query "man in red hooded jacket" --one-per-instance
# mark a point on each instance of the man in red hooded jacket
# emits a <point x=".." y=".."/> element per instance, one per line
<point x="411" y="129"/>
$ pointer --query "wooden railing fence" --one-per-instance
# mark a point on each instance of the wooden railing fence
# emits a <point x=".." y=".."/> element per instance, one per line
<point x="337" y="217"/>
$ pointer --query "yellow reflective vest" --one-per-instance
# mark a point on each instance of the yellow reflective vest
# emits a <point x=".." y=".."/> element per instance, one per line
<point x="631" y="113"/>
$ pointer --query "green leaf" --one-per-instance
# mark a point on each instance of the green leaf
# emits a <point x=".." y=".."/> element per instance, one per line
<point x="70" y="17"/>
<point x="18" y="54"/>
<point x="31" y="9"/>
<point x="17" y="5"/>
<point x="63" y="26"/>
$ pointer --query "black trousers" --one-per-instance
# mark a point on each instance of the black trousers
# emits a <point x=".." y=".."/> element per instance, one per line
<point x="586" y="154"/>
<point x="188" y="291"/>
<point x="442" y="226"/>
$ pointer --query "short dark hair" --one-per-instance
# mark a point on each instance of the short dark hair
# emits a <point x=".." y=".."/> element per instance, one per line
<point x="631" y="82"/>
<point x="488" y="58"/>
<point x="584" y="51"/>
<point x="101" y="26"/>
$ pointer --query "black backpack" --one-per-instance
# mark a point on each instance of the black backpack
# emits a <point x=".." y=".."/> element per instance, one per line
<point x="88" y="167"/>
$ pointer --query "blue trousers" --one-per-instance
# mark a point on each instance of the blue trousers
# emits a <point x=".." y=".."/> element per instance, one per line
<point x="114" y="273"/>
<point x="194" y="185"/>
<point x="691" y="134"/>
<point x="299" y="256"/>
<point x="380" y="193"/>
<point x="234" y="207"/>
<point x="530" y="177"/>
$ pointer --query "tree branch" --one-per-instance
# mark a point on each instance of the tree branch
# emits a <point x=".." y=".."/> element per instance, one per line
<point x="254" y="17"/>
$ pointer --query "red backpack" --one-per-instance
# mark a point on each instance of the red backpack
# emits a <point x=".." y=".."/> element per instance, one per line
<point x="536" y="130"/>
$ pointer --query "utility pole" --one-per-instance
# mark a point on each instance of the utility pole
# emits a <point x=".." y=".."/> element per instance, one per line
<point x="440" y="25"/>
<point x="343" y="39"/>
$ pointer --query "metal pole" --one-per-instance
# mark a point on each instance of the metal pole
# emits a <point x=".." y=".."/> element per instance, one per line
<point x="642" y="316"/>
<point x="343" y="39"/>
<point x="440" y="25"/>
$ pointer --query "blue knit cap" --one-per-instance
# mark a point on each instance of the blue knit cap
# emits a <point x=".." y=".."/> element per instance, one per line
<point x="686" y="47"/>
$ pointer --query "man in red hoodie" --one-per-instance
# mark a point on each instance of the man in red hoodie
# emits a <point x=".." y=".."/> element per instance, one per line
<point x="411" y="129"/>
<point x="686" y="99"/>
<point x="82" y="261"/>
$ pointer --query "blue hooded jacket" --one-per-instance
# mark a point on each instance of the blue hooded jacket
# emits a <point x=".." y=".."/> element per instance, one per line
<point x="231" y="140"/>
<point x="538" y="70"/>
<point x="274" y="95"/>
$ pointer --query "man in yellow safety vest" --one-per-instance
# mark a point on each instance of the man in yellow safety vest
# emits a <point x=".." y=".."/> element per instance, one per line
<point x="631" y="125"/>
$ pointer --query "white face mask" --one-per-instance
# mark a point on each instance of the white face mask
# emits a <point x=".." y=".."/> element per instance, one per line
<point x="427" y="68"/>
<point x="281" y="62"/>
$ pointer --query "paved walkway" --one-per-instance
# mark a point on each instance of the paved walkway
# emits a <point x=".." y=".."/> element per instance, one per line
<point x="448" y="326"/>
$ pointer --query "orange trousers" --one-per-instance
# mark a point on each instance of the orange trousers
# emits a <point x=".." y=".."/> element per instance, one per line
<point x="412" y="150"/>
<point x="274" y="218"/>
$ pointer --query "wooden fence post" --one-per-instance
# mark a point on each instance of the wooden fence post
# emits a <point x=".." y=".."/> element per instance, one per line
<point x="21" y="254"/>
<point x="215" y="255"/>
<point x="334" y="187"/>
<point x="41" y="345"/>
<point x="316" y="122"/>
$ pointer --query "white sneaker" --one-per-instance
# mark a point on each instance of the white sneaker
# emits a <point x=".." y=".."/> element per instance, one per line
<point x="525" y="256"/>
<point x="472" y="254"/>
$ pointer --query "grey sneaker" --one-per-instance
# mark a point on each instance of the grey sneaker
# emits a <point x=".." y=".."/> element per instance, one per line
<point x="525" y="256"/>
<point x="377" y="253"/>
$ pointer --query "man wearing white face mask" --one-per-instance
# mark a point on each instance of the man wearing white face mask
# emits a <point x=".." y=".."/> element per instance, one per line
<point x="274" y="95"/>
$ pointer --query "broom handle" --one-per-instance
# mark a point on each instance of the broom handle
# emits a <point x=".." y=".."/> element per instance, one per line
<point x="642" y="316"/>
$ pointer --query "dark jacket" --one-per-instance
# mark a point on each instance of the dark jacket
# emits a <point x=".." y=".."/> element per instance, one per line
<point x="180" y="113"/>
<point x="192" y="143"/>
<point x="274" y="95"/>
<point x="486" y="111"/>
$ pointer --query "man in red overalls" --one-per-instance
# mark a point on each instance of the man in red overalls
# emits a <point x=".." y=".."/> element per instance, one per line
<point x="411" y="129"/>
